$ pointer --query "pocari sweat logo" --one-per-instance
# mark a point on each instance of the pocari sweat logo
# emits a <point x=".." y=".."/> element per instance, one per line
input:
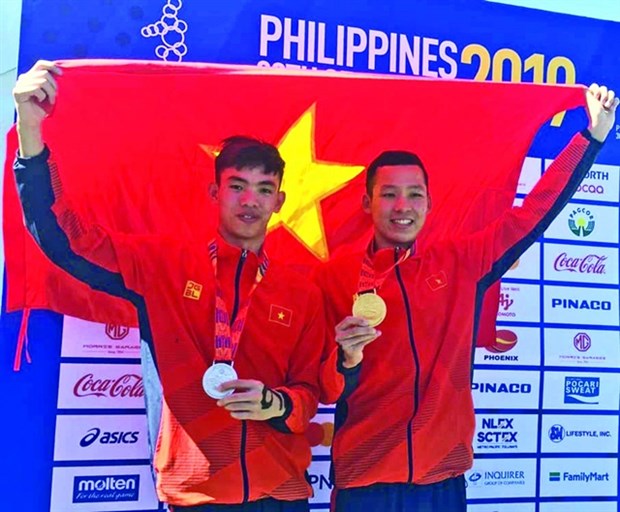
<point x="582" y="390"/>
<point x="106" y="488"/>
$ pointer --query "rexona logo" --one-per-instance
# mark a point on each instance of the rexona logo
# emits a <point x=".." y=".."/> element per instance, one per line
<point x="502" y="387"/>
<point x="581" y="222"/>
<point x="498" y="431"/>
<point x="95" y="434"/>
<point x="581" y="390"/>
<point x="106" y="488"/>
<point x="589" y="264"/>
<point x="594" y="305"/>
<point x="557" y="433"/>
<point x="593" y="476"/>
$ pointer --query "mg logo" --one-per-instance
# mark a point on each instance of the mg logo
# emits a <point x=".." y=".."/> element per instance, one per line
<point x="116" y="332"/>
<point x="582" y="342"/>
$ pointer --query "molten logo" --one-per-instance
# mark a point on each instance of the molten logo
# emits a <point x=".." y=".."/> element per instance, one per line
<point x="106" y="488"/>
<point x="590" y="264"/>
<point x="116" y="332"/>
<point x="581" y="222"/>
<point x="129" y="385"/>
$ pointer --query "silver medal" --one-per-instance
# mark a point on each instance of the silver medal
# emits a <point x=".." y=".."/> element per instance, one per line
<point x="217" y="374"/>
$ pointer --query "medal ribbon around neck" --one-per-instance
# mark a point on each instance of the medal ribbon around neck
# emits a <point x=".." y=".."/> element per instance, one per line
<point x="227" y="336"/>
<point x="370" y="306"/>
<point x="368" y="280"/>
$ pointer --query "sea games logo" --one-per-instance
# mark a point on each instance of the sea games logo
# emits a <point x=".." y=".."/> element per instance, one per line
<point x="104" y="489"/>
<point x="582" y="390"/>
<point x="581" y="222"/>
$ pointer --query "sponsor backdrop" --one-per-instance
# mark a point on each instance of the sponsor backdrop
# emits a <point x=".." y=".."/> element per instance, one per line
<point x="547" y="393"/>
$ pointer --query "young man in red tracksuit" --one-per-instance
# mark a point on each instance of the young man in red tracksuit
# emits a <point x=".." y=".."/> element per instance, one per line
<point x="405" y="424"/>
<point x="215" y="317"/>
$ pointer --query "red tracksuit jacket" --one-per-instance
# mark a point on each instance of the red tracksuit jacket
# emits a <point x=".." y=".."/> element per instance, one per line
<point x="202" y="454"/>
<point x="411" y="417"/>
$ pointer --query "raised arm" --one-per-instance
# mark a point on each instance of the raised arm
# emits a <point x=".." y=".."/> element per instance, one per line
<point x="88" y="252"/>
<point x="500" y="244"/>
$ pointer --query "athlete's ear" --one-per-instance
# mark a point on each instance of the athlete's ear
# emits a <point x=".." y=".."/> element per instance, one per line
<point x="214" y="190"/>
<point x="366" y="203"/>
<point x="280" y="201"/>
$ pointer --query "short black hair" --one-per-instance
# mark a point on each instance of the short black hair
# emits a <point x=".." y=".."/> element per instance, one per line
<point x="240" y="151"/>
<point x="394" y="157"/>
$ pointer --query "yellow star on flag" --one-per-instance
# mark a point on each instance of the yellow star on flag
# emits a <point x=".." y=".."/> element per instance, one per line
<point x="280" y="316"/>
<point x="307" y="181"/>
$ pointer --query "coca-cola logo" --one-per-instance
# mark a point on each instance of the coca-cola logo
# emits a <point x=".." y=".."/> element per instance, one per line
<point x="116" y="332"/>
<point x="126" y="386"/>
<point x="590" y="264"/>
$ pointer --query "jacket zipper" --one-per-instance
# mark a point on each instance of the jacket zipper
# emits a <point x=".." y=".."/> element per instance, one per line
<point x="244" y="467"/>
<point x="416" y="363"/>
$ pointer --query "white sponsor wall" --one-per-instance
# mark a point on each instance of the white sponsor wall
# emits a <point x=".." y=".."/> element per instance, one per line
<point x="101" y="421"/>
<point x="561" y="389"/>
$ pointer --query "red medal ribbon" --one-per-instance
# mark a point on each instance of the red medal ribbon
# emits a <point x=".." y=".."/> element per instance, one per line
<point x="227" y="336"/>
<point x="368" y="280"/>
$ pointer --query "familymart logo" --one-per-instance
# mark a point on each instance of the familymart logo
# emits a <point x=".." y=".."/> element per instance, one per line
<point x="593" y="476"/>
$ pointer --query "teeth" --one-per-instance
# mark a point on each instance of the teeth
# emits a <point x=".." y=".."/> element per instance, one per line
<point x="403" y="222"/>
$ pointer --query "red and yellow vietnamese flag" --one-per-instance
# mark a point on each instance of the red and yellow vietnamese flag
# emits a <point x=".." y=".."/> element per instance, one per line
<point x="280" y="315"/>
<point x="134" y="143"/>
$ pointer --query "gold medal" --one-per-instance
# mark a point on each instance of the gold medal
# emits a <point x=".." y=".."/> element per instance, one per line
<point x="371" y="307"/>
